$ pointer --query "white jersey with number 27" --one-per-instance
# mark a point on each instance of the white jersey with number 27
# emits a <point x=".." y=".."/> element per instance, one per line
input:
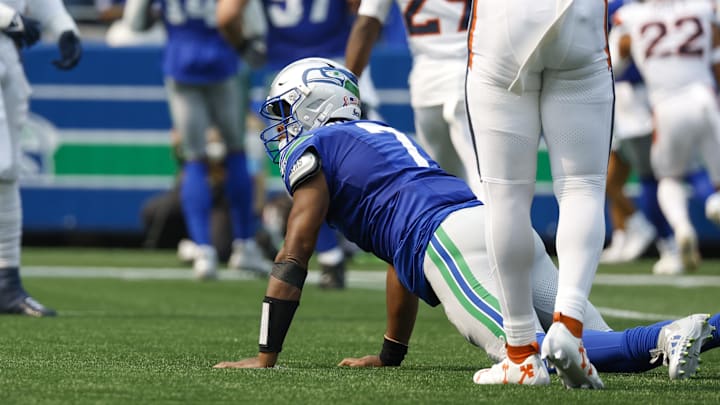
<point x="437" y="35"/>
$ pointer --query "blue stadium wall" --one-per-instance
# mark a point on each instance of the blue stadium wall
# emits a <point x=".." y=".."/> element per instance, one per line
<point x="110" y="149"/>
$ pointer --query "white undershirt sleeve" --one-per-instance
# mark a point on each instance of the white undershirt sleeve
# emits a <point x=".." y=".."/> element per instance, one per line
<point x="375" y="8"/>
<point x="52" y="15"/>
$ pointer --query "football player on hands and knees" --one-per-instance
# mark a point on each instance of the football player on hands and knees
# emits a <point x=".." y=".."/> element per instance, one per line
<point x="356" y="174"/>
<point x="676" y="46"/>
<point x="21" y="24"/>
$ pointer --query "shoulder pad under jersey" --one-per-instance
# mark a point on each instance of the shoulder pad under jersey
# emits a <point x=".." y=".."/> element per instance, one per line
<point x="304" y="168"/>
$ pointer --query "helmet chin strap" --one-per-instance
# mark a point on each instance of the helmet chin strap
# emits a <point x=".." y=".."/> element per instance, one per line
<point x="324" y="116"/>
<point x="304" y="89"/>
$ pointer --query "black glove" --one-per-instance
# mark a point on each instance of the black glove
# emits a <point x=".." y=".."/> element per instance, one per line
<point x="254" y="52"/>
<point x="23" y="30"/>
<point x="70" y="51"/>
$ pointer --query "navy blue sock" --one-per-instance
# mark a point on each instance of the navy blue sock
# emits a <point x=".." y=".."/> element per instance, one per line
<point x="715" y="341"/>
<point x="11" y="288"/>
<point x="196" y="199"/>
<point x="239" y="190"/>
<point x="327" y="239"/>
<point x="701" y="184"/>
<point x="627" y="351"/>
<point x="648" y="204"/>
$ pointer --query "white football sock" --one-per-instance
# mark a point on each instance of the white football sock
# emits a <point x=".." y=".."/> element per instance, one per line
<point x="579" y="239"/>
<point x="673" y="202"/>
<point x="10" y="224"/>
<point x="509" y="237"/>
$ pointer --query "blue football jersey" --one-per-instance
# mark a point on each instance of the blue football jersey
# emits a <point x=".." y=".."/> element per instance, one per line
<point x="386" y="194"/>
<point x="195" y="52"/>
<point x="304" y="28"/>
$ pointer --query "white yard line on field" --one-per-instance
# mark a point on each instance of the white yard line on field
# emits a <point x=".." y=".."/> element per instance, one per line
<point x="368" y="279"/>
<point x="358" y="278"/>
<point x="626" y="314"/>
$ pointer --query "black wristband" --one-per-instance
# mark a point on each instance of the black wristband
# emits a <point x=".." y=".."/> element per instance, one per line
<point x="392" y="353"/>
<point x="275" y="322"/>
<point x="289" y="272"/>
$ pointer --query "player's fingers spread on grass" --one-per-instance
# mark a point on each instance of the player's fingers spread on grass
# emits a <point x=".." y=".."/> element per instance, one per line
<point x="367" y="361"/>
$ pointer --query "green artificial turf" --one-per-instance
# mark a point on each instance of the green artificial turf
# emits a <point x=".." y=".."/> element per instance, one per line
<point x="139" y="341"/>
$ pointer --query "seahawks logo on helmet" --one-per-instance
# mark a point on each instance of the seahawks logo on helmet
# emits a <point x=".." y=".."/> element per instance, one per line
<point x="333" y="75"/>
<point x="305" y="95"/>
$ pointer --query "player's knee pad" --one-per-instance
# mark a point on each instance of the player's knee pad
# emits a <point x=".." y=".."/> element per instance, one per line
<point x="10" y="220"/>
<point x="516" y="197"/>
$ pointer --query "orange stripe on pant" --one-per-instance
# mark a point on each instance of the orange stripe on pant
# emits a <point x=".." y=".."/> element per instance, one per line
<point x="471" y="32"/>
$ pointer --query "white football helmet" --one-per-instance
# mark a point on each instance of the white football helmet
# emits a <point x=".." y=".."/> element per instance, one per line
<point x="305" y="95"/>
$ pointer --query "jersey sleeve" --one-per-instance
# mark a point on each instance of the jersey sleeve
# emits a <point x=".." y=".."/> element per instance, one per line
<point x="375" y="8"/>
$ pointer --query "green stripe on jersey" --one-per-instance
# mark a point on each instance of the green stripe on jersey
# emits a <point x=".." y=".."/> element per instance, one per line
<point x="295" y="144"/>
<point x="474" y="311"/>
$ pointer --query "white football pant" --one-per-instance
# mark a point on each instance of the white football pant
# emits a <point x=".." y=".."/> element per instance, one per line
<point x="457" y="267"/>
<point x="15" y="93"/>
<point x="444" y="132"/>
<point x="563" y="89"/>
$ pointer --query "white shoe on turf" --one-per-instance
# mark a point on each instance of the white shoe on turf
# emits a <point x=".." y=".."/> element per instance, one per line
<point x="639" y="234"/>
<point x="670" y="262"/>
<point x="205" y="263"/>
<point x="186" y="251"/>
<point x="532" y="371"/>
<point x="688" y="243"/>
<point x="613" y="253"/>
<point x="712" y="208"/>
<point x="566" y="353"/>
<point x="247" y="255"/>
<point x="679" y="345"/>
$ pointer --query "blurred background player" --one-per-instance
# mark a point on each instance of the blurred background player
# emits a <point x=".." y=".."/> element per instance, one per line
<point x="634" y="230"/>
<point x="21" y="23"/>
<point x="163" y="218"/>
<point x="437" y="34"/>
<point x="635" y="227"/>
<point x="631" y="151"/>
<point x="298" y="29"/>
<point x="201" y="71"/>
<point x="674" y="45"/>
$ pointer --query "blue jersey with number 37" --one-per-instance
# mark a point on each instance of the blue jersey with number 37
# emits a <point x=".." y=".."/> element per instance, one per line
<point x="304" y="28"/>
<point x="386" y="194"/>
